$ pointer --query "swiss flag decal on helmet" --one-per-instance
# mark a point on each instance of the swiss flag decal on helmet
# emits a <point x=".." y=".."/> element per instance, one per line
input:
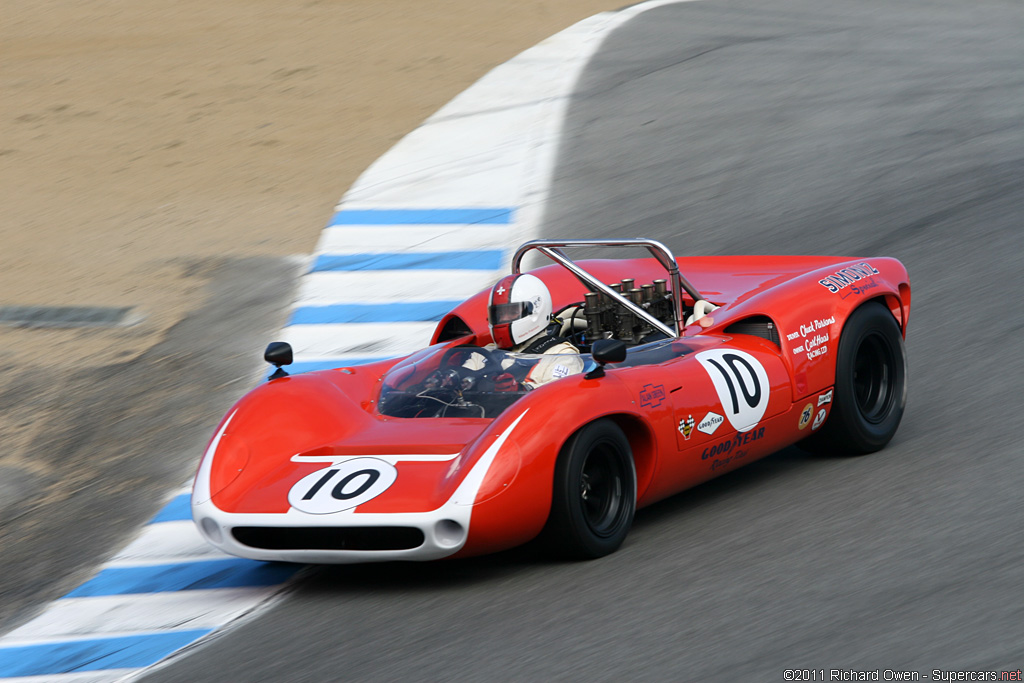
<point x="519" y="308"/>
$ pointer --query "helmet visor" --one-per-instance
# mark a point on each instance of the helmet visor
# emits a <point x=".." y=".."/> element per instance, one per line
<point x="500" y="314"/>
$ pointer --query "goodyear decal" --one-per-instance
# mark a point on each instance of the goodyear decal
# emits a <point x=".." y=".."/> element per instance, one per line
<point x="727" y="446"/>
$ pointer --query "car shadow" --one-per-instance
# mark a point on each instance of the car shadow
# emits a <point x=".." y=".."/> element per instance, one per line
<point x="395" y="577"/>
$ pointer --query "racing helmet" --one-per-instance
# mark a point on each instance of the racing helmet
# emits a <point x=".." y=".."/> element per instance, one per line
<point x="519" y="308"/>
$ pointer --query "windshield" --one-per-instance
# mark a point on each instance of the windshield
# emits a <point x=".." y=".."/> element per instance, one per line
<point x="473" y="381"/>
<point x="470" y="381"/>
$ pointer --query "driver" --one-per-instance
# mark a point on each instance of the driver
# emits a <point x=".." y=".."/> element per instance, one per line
<point x="519" y="315"/>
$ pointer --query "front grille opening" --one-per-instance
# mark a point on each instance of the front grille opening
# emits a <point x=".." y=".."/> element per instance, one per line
<point x="329" y="538"/>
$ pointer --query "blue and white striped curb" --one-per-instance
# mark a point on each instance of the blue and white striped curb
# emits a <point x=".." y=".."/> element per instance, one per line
<point x="382" y="279"/>
<point x="161" y="593"/>
<point x="432" y="222"/>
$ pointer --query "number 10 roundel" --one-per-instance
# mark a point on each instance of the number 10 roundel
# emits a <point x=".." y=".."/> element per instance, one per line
<point x="342" y="486"/>
<point x="741" y="383"/>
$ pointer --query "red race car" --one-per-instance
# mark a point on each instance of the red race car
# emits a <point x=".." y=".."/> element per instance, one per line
<point x="556" y="403"/>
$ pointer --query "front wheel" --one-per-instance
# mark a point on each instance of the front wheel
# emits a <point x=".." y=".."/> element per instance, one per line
<point x="594" y="496"/>
<point x="871" y="385"/>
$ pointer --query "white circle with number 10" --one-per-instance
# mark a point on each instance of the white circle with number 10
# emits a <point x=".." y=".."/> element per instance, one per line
<point x="342" y="486"/>
<point x="741" y="383"/>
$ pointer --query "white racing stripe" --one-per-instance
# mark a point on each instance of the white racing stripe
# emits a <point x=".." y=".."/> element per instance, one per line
<point x="393" y="459"/>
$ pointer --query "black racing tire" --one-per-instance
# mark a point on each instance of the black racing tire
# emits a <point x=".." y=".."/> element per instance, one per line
<point x="594" y="496"/>
<point x="871" y="385"/>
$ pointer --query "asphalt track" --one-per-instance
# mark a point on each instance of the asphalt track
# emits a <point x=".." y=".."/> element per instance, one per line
<point x="875" y="128"/>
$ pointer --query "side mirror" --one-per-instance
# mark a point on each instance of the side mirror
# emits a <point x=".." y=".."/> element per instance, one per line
<point x="606" y="351"/>
<point x="278" y="354"/>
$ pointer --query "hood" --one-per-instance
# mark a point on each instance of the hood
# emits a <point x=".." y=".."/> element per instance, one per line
<point x="285" y="431"/>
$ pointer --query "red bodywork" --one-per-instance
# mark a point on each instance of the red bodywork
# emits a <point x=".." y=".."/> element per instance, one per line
<point x="292" y="428"/>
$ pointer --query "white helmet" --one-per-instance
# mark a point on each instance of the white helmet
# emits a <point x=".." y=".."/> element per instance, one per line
<point x="519" y="308"/>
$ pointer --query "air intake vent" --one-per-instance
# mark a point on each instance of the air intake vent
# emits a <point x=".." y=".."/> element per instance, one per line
<point x="329" y="538"/>
<point x="453" y="329"/>
<point x="758" y="326"/>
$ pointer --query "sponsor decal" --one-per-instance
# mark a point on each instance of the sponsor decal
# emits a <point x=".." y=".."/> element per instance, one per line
<point x="722" y="462"/>
<point x="343" y="486"/>
<point x="811" y="327"/>
<point x="819" y="419"/>
<point x="559" y="371"/>
<point x="652" y="395"/>
<point x="730" y="451"/>
<point x="805" y="415"/>
<point x="741" y="384"/>
<point x="825" y="398"/>
<point x="845" y="277"/>
<point x="861" y="287"/>
<point x="724" y="447"/>
<point x="815" y="335"/>
<point x="816" y="346"/>
<point x="710" y="423"/>
<point x="686" y="427"/>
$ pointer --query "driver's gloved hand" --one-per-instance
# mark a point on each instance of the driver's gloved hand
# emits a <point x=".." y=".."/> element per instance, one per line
<point x="476" y="361"/>
<point x="505" y="382"/>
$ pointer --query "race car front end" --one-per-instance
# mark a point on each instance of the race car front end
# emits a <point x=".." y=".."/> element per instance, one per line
<point x="300" y="472"/>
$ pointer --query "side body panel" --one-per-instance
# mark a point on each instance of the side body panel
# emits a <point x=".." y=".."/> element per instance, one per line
<point x="726" y="389"/>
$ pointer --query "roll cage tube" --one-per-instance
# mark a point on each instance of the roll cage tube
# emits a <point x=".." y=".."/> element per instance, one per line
<point x="553" y="250"/>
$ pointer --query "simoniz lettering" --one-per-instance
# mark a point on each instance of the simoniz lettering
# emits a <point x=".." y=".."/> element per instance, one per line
<point x="843" y="278"/>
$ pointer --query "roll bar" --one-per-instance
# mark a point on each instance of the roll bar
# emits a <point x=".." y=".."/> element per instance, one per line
<point x="553" y="250"/>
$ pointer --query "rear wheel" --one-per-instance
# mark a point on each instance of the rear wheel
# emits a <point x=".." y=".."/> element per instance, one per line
<point x="594" y="495"/>
<point x="871" y="385"/>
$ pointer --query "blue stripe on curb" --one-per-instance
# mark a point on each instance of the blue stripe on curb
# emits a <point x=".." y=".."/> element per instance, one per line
<point x="446" y="260"/>
<point x="69" y="656"/>
<point x="489" y="216"/>
<point x="398" y="312"/>
<point x="179" y="509"/>
<point x="229" y="573"/>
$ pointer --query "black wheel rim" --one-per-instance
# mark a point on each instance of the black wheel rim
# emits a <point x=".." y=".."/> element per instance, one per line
<point x="602" y="489"/>
<point x="874" y="377"/>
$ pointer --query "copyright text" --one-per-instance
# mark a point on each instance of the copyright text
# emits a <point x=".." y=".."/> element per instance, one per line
<point x="897" y="675"/>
